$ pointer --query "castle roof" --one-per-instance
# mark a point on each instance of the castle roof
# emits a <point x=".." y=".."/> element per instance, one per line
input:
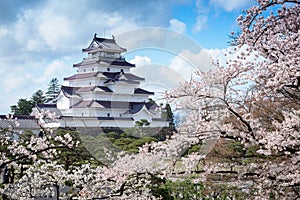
<point x="136" y="107"/>
<point x="122" y="81"/>
<point x="103" y="104"/>
<point x="142" y="91"/>
<point x="117" y="62"/>
<point x="67" y="91"/>
<point x="51" y="107"/>
<point x="115" y="118"/>
<point x="104" y="44"/>
<point x="112" y="76"/>
<point x="70" y="91"/>
<point x="119" y="76"/>
<point x="24" y="122"/>
<point x="132" y="77"/>
<point x="82" y="75"/>
<point x="133" y="107"/>
<point x="93" y="88"/>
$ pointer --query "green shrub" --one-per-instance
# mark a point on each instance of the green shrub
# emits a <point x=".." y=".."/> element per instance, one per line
<point x="236" y="146"/>
<point x="187" y="189"/>
<point x="123" y="142"/>
<point x="132" y="144"/>
<point x="113" y="135"/>
<point x="194" y="148"/>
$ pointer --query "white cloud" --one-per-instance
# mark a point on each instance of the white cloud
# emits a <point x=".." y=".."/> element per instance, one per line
<point x="202" y="16"/>
<point x="57" y="25"/>
<point x="140" y="60"/>
<point x="3" y="32"/>
<point x="218" y="55"/>
<point x="230" y="5"/>
<point x="179" y="69"/>
<point x="16" y="84"/>
<point x="223" y="55"/>
<point x="158" y="77"/>
<point x="13" y="81"/>
<point x="181" y="66"/>
<point x="177" y="25"/>
<point x="57" y="67"/>
<point x="25" y="32"/>
<point x="157" y="39"/>
<point x="202" y="7"/>
<point x="161" y="78"/>
<point x="144" y="38"/>
<point x="201" y="22"/>
<point x="61" y="26"/>
<point x="187" y="62"/>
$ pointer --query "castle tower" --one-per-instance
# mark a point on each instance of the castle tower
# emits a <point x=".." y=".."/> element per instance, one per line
<point x="103" y="92"/>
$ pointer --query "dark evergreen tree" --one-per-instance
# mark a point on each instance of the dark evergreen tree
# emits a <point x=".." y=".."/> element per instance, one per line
<point x="53" y="89"/>
<point x="38" y="97"/>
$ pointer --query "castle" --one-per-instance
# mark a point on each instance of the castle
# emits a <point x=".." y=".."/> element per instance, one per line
<point x="103" y="92"/>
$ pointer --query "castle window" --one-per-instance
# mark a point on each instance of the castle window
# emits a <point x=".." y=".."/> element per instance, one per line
<point x="90" y="83"/>
<point x="108" y="114"/>
<point x="92" y="69"/>
<point x="84" y="70"/>
<point x="108" y="69"/>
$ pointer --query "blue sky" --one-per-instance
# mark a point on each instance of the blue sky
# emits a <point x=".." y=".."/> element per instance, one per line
<point x="42" y="39"/>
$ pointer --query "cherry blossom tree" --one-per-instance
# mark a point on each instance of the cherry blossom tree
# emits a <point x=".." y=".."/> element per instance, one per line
<point x="34" y="165"/>
<point x="254" y="98"/>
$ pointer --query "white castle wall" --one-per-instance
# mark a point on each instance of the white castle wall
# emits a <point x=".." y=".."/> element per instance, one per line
<point x="94" y="122"/>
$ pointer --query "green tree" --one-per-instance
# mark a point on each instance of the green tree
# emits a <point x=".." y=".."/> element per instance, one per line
<point x="169" y="115"/>
<point x="38" y="97"/>
<point x="23" y="107"/>
<point x="53" y="89"/>
<point x="151" y="101"/>
<point x="142" y="123"/>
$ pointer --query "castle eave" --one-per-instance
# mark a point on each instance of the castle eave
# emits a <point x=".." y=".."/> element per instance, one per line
<point x="82" y="76"/>
<point x="142" y="91"/>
